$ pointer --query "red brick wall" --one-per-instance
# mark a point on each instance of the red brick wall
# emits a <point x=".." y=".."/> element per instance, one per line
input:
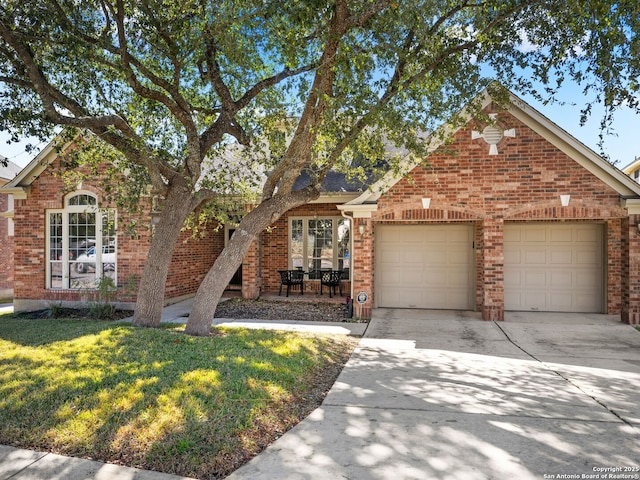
<point x="363" y="266"/>
<point x="6" y="251"/>
<point x="523" y="182"/>
<point x="631" y="267"/>
<point x="191" y="259"/>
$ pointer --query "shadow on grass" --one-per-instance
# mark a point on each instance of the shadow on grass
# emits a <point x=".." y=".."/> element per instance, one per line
<point x="157" y="399"/>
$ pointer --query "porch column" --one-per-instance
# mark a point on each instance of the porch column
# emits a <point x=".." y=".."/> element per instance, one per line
<point x="631" y="272"/>
<point x="362" y="271"/>
<point x="250" y="277"/>
<point x="493" y="269"/>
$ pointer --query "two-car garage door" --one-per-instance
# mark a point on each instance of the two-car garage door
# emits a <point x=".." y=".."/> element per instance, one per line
<point x="547" y="267"/>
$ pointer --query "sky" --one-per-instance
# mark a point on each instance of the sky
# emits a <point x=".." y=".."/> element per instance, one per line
<point x="622" y="148"/>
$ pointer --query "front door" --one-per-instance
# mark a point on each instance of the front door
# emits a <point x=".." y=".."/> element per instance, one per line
<point x="236" y="281"/>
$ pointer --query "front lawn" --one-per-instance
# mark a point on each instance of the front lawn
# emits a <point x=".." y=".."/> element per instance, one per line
<point x="156" y="398"/>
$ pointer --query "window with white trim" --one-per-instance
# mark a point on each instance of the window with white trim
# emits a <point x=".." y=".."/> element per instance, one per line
<point x="81" y="243"/>
<point x="317" y="244"/>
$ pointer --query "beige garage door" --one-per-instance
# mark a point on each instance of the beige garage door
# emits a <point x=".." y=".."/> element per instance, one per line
<point x="553" y="267"/>
<point x="424" y="266"/>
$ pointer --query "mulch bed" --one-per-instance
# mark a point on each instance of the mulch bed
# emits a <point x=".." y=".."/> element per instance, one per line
<point x="284" y="310"/>
<point x="233" y="308"/>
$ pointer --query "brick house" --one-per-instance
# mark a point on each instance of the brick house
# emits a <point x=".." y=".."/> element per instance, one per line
<point x="515" y="216"/>
<point x="633" y="169"/>
<point x="7" y="173"/>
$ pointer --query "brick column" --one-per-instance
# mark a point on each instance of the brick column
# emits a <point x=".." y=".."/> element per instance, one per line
<point x="631" y="273"/>
<point x="362" y="271"/>
<point x="250" y="277"/>
<point x="493" y="266"/>
<point x="617" y="230"/>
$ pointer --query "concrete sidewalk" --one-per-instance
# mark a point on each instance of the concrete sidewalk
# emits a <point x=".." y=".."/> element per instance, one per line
<point x="442" y="395"/>
<point x="18" y="464"/>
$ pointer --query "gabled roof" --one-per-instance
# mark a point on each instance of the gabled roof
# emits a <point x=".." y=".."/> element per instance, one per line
<point x="336" y="188"/>
<point x="7" y="172"/>
<point x="632" y="167"/>
<point x="21" y="183"/>
<point x="628" y="189"/>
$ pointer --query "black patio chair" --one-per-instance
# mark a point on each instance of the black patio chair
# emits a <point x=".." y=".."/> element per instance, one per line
<point x="291" y="278"/>
<point x="331" y="279"/>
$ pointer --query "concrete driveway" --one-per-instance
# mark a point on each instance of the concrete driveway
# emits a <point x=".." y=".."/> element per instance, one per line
<point x="444" y="395"/>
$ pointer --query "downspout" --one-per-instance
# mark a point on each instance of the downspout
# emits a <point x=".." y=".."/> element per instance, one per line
<point x="351" y="257"/>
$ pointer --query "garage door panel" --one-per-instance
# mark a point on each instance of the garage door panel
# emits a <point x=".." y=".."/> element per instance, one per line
<point x="412" y="276"/>
<point x="561" y="279"/>
<point x="560" y="301"/>
<point x="431" y="258"/>
<point x="432" y="266"/>
<point x="586" y="258"/>
<point x="563" y="272"/>
<point x="535" y="300"/>
<point x="562" y="256"/>
<point x="561" y="235"/>
<point x="587" y="282"/>
<point x="535" y="257"/>
<point x="412" y="235"/>
<point x="512" y="235"/>
<point x="512" y="277"/>
<point x="533" y="279"/>
<point x="534" y="235"/>
<point x="586" y="235"/>
<point x="513" y="302"/>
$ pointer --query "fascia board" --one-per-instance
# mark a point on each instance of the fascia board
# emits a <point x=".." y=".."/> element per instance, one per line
<point x="359" y="210"/>
<point x="338" y="197"/>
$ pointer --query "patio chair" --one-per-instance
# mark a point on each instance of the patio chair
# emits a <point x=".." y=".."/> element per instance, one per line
<point x="291" y="278"/>
<point x="331" y="279"/>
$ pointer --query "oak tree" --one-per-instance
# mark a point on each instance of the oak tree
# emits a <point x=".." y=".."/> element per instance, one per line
<point x="291" y="87"/>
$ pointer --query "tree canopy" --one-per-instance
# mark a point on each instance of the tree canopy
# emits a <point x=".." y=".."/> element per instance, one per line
<point x="302" y="85"/>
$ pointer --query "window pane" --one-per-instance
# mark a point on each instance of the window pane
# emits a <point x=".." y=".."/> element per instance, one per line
<point x="109" y="244"/>
<point x="82" y="199"/>
<point x="82" y="253"/>
<point x="55" y="250"/>
<point x="344" y="255"/>
<point x="296" y="244"/>
<point x="55" y="236"/>
<point x="319" y="245"/>
<point x="82" y="274"/>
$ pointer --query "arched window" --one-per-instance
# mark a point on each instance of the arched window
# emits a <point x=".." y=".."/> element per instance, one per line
<point x="81" y="242"/>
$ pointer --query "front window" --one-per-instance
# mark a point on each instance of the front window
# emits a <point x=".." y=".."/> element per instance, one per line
<point x="81" y="244"/>
<point x="317" y="244"/>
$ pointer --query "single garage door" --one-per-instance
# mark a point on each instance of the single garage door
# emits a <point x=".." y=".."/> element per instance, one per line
<point x="424" y="266"/>
<point x="553" y="267"/>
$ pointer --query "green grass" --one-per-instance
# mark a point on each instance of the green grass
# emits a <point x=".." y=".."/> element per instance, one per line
<point x="156" y="398"/>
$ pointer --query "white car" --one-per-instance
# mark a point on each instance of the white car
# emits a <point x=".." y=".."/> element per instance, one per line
<point x="88" y="259"/>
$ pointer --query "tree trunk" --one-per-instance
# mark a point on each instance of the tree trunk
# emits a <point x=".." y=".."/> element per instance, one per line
<point x="150" y="301"/>
<point x="212" y="287"/>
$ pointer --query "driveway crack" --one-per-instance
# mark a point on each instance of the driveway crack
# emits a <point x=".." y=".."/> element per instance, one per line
<point x="564" y="377"/>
